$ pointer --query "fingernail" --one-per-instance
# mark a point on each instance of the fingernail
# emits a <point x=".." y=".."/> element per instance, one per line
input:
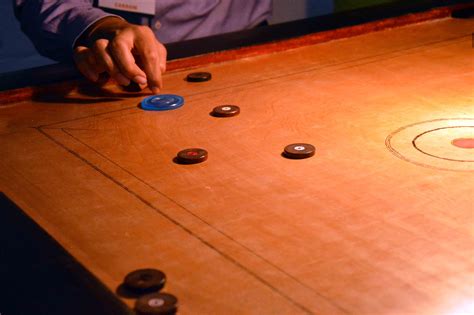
<point x="121" y="79"/>
<point x="139" y="79"/>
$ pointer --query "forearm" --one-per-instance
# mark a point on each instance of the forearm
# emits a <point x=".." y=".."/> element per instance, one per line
<point x="54" y="26"/>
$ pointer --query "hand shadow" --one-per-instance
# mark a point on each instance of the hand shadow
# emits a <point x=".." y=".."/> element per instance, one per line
<point x="85" y="92"/>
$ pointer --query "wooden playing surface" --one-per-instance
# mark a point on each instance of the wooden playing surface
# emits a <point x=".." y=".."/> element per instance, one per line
<point x="369" y="225"/>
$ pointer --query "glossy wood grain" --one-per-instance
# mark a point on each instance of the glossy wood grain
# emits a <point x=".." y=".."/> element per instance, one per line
<point x="355" y="229"/>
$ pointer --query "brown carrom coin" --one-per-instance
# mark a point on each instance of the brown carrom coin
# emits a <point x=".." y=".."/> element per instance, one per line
<point x="299" y="151"/>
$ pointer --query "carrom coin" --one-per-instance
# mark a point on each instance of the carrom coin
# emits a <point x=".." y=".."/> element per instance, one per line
<point x="198" y="77"/>
<point x="191" y="156"/>
<point x="226" y="111"/>
<point x="156" y="304"/>
<point x="299" y="151"/>
<point x="145" y="280"/>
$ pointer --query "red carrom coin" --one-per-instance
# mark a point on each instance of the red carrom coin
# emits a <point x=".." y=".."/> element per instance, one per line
<point x="191" y="156"/>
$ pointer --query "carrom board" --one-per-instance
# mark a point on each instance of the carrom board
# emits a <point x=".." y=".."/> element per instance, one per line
<point x="378" y="221"/>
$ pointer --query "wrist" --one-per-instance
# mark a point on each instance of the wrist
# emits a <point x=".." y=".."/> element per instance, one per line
<point x="103" y="28"/>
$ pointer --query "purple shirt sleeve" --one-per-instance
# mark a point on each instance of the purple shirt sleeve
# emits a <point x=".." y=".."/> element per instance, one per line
<point x="53" y="26"/>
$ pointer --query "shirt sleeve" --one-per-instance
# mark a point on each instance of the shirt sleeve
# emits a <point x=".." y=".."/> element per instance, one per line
<point x="54" y="25"/>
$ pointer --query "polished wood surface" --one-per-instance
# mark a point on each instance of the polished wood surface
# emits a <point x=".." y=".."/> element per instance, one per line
<point x="366" y="226"/>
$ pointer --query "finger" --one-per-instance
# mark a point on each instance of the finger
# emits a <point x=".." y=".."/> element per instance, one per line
<point x="106" y="62"/>
<point x="151" y="57"/>
<point x="86" y="63"/>
<point x="121" y="52"/>
<point x="163" y="53"/>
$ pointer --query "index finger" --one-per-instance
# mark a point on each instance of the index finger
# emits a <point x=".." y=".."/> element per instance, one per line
<point x="152" y="60"/>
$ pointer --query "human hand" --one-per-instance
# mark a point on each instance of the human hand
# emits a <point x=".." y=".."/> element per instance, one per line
<point x="127" y="52"/>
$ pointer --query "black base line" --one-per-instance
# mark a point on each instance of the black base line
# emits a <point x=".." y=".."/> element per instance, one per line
<point x="350" y="64"/>
<point x="307" y="70"/>
<point x="84" y="117"/>
<point x="177" y="223"/>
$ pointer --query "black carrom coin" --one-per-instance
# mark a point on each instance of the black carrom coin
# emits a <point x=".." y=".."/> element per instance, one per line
<point x="198" y="77"/>
<point x="156" y="304"/>
<point x="299" y="151"/>
<point x="145" y="280"/>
